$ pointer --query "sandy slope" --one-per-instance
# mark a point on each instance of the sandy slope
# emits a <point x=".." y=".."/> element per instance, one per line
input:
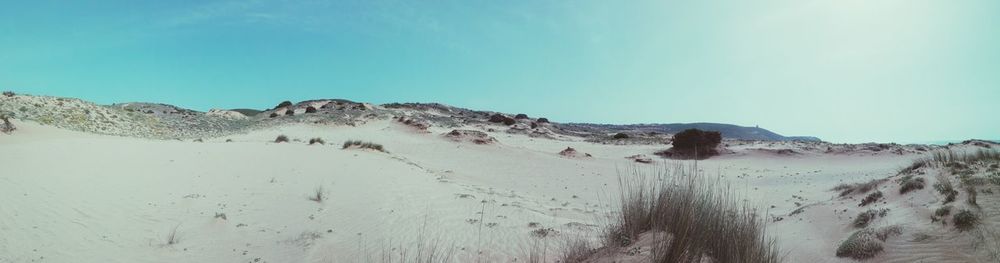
<point x="77" y="197"/>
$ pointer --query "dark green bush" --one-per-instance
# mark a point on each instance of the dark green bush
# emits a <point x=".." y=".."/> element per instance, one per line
<point x="283" y="104"/>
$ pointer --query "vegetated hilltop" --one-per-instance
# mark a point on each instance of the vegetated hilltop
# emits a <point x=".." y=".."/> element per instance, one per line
<point x="163" y="121"/>
<point x="728" y="131"/>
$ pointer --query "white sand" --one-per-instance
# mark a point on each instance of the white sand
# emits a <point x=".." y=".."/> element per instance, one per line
<point x="77" y="197"/>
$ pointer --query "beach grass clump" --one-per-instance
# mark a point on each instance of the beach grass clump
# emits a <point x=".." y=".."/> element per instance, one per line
<point x="576" y="249"/>
<point x="915" y="166"/>
<point x="945" y="187"/>
<point x="362" y="145"/>
<point x="909" y="183"/>
<point x="858" y="188"/>
<point x="965" y="220"/>
<point x="703" y="220"/>
<point x="281" y="138"/>
<point x="871" y="198"/>
<point x="949" y="157"/>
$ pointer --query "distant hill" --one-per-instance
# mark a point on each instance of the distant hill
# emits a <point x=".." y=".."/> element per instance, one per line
<point x="248" y="112"/>
<point x="728" y="130"/>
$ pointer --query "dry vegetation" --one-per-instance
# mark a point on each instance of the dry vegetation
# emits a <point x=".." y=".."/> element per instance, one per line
<point x="867" y="243"/>
<point x="703" y="219"/>
<point x="317" y="195"/>
<point x="965" y="220"/>
<point x="5" y="125"/>
<point x="362" y="145"/>
<point x="910" y="183"/>
<point x="858" y="188"/>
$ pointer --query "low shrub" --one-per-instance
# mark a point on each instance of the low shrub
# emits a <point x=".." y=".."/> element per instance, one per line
<point x="867" y="243"/>
<point x="542" y="120"/>
<point x="871" y="198"/>
<point x="620" y="136"/>
<point x="283" y="104"/>
<point x="864" y="218"/>
<point x="310" y="109"/>
<point x="362" y="145"/>
<point x="316" y="141"/>
<point x="910" y="183"/>
<point x="273" y="114"/>
<point x="289" y="112"/>
<point x="8" y="94"/>
<point x="500" y="118"/>
<point x="943" y="211"/>
<point x="520" y="116"/>
<point x="695" y="143"/>
<point x="965" y="220"/>
<point x="281" y="139"/>
<point x="919" y="163"/>
<point x="5" y="125"/>
<point x="863" y="244"/>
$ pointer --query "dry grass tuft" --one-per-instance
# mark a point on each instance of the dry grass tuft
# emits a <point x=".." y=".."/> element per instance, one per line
<point x="317" y="195"/>
<point x="172" y="237"/>
<point x="871" y="198"/>
<point x="281" y="138"/>
<point x="316" y="141"/>
<point x="858" y="188"/>
<point x="576" y="250"/>
<point x="980" y="156"/>
<point x="704" y="220"/>
<point x="909" y="183"/>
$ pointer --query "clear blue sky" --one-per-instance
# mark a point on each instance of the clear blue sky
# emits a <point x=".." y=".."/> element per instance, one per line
<point x="843" y="70"/>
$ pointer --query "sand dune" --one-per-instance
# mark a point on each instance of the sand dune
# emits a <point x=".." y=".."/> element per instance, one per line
<point x="73" y="196"/>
